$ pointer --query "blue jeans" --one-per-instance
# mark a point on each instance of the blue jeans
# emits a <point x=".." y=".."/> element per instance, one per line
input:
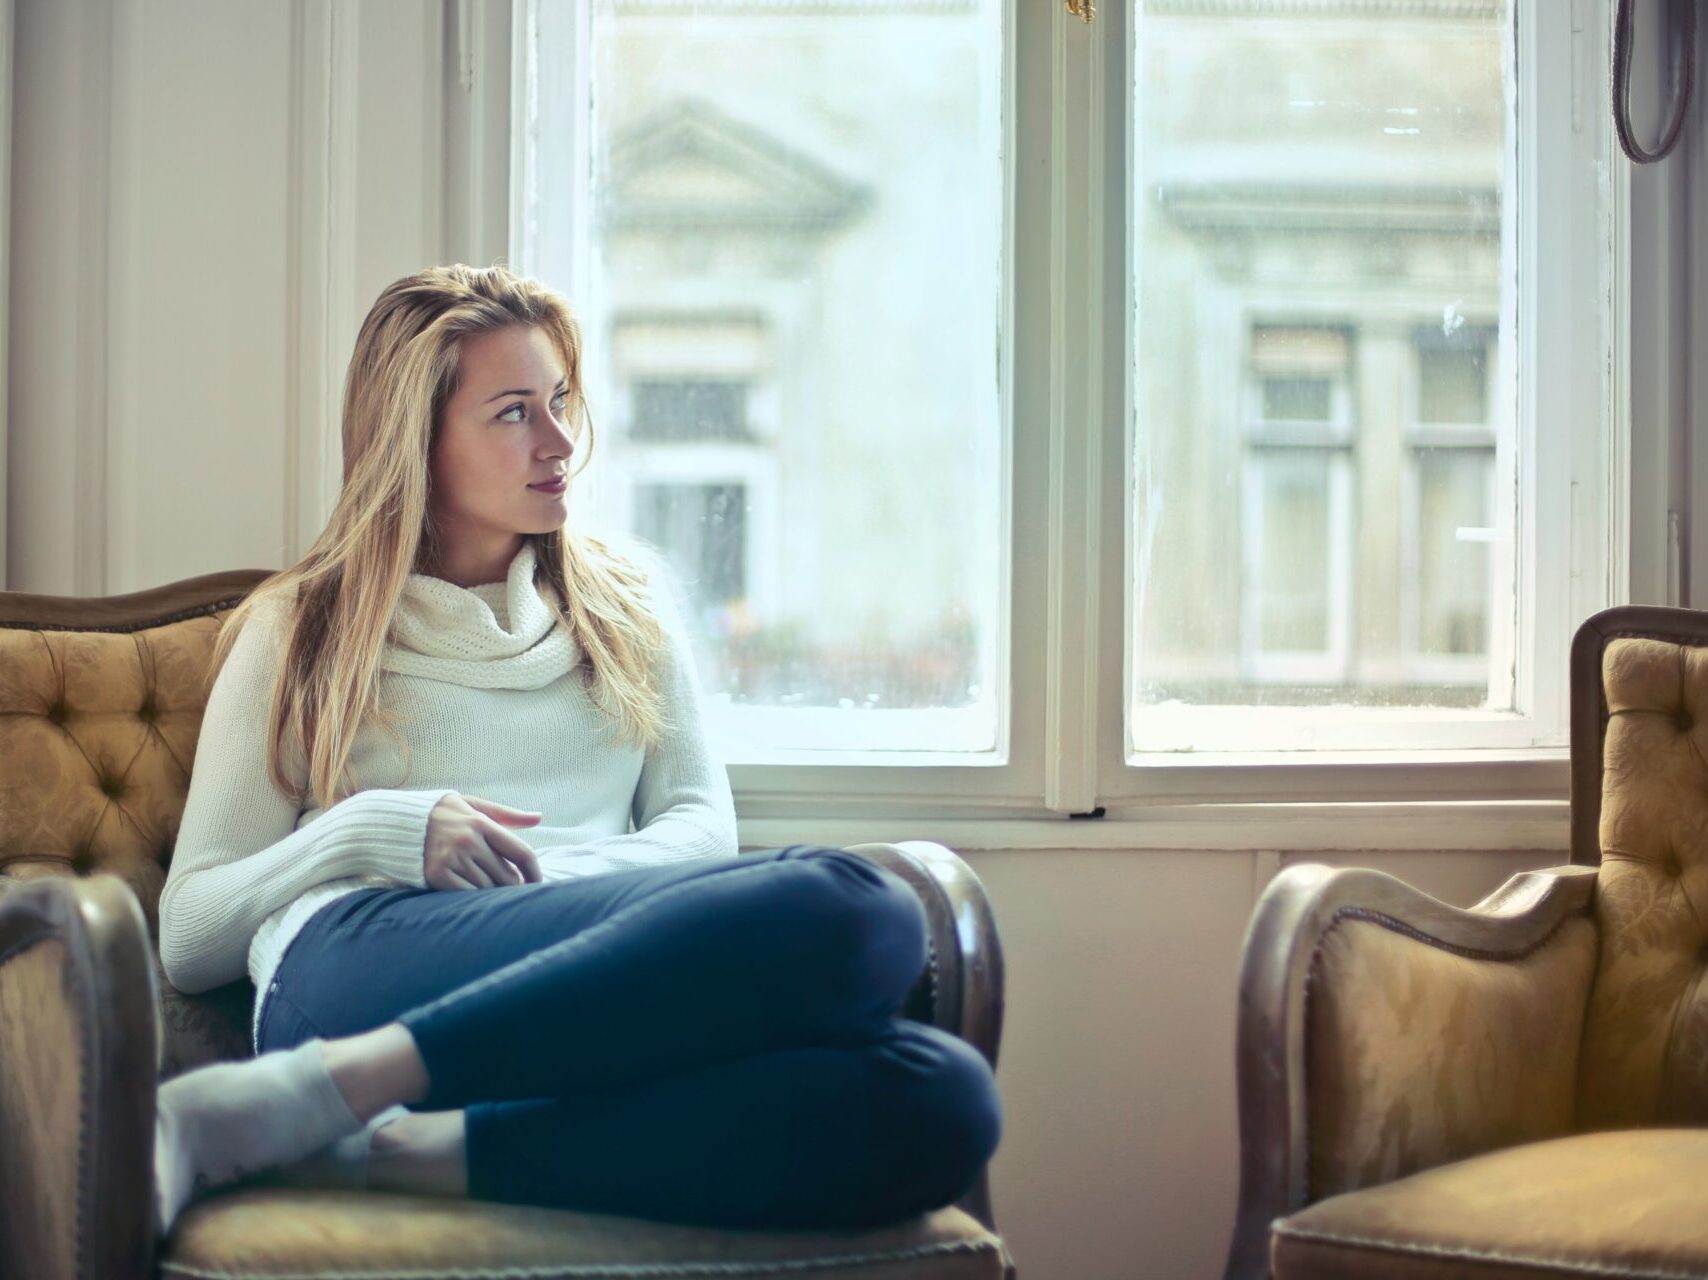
<point x="713" y="1042"/>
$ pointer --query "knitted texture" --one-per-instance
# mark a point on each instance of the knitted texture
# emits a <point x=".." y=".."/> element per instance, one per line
<point x="482" y="679"/>
<point x="499" y="635"/>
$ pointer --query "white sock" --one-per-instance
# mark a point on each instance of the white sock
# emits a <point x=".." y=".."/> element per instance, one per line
<point x="343" y="1164"/>
<point x="223" y="1122"/>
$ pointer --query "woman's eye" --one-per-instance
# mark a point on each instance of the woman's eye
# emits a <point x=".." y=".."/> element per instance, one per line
<point x="505" y="416"/>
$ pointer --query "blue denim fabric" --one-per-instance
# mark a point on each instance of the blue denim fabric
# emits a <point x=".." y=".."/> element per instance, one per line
<point x="714" y="1042"/>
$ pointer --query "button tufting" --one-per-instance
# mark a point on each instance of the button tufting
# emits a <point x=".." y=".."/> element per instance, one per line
<point x="1672" y="866"/>
<point x="1682" y="720"/>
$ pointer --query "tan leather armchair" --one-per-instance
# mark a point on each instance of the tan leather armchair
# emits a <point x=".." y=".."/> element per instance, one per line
<point x="101" y="701"/>
<point x="1517" y="1089"/>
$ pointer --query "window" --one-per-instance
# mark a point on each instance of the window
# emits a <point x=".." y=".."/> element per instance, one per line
<point x="702" y="527"/>
<point x="1341" y="217"/>
<point x="693" y="466"/>
<point x="792" y="307"/>
<point x="1296" y="528"/>
<point x="689" y="408"/>
<point x="1077" y="474"/>
<point x="1448" y="503"/>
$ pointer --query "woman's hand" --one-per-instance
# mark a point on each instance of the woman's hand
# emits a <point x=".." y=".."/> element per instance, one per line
<point x="466" y="848"/>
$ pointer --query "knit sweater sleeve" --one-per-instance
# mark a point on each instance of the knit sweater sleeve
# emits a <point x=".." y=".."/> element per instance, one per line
<point x="682" y="808"/>
<point x="239" y="855"/>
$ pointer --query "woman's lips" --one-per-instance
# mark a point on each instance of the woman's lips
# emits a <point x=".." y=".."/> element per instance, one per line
<point x="555" y="486"/>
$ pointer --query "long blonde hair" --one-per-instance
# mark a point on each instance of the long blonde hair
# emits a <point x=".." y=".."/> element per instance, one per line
<point x="339" y="599"/>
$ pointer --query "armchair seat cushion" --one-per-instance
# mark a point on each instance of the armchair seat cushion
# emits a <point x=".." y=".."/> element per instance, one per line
<point x="276" y="1232"/>
<point x="1630" y="1203"/>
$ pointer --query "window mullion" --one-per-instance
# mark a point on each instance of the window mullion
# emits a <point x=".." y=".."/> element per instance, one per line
<point x="1077" y="410"/>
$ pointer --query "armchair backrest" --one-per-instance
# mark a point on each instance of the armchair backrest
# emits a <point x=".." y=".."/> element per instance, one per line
<point x="101" y="703"/>
<point x="1640" y="810"/>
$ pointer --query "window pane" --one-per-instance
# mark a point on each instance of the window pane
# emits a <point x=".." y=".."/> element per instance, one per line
<point x="689" y="409"/>
<point x="791" y="306"/>
<point x="1318" y="272"/>
<point x="1453" y="374"/>
<point x="1288" y="571"/>
<point x="1296" y="399"/>
<point x="1453" y="569"/>
<point x="702" y="529"/>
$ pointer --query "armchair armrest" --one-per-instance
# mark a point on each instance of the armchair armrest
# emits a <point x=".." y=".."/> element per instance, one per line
<point x="961" y="990"/>
<point x="78" y="1051"/>
<point x="1382" y="1031"/>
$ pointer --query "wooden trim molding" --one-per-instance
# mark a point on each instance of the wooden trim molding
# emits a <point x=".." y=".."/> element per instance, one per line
<point x="208" y="594"/>
<point x="321" y="264"/>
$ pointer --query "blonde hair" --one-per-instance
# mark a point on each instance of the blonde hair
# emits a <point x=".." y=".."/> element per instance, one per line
<point x="339" y="599"/>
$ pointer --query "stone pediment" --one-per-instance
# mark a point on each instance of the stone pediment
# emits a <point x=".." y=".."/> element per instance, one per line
<point x="691" y="166"/>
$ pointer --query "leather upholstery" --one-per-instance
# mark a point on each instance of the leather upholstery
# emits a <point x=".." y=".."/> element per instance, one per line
<point x="1626" y="1204"/>
<point x="267" y="1231"/>
<point x="41" y="1100"/>
<point x="1564" y="1094"/>
<point x="1490" y="1050"/>
<point x="97" y="737"/>
<point x="1645" y="1057"/>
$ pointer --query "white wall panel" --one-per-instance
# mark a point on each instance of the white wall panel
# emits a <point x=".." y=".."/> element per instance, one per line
<point x="199" y="287"/>
<point x="55" y="460"/>
<point x="208" y="198"/>
<point x="5" y="250"/>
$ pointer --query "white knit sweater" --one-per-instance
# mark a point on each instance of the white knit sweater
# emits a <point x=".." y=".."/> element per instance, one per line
<point x="482" y="677"/>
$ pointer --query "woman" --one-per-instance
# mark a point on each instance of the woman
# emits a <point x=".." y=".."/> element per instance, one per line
<point x="523" y="1000"/>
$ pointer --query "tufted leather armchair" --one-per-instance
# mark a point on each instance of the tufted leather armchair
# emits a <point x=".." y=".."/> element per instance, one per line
<point x="1517" y="1089"/>
<point x="101" y="700"/>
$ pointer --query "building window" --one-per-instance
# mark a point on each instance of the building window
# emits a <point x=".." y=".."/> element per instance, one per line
<point x="702" y="530"/>
<point x="697" y="455"/>
<point x="1298" y="534"/>
<point x="668" y="410"/>
<point x="1448" y="508"/>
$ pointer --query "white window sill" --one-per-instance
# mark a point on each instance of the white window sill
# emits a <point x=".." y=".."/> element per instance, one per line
<point x="1492" y="825"/>
<point x="1489" y="757"/>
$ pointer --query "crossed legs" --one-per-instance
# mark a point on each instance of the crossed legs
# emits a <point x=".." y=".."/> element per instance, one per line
<point x="722" y="1049"/>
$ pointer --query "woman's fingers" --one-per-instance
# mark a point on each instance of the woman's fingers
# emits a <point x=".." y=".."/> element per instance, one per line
<point x="457" y="881"/>
<point x="472" y="871"/>
<point x="512" y="848"/>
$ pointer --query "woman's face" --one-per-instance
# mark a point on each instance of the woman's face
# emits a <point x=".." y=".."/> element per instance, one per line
<point x="503" y="429"/>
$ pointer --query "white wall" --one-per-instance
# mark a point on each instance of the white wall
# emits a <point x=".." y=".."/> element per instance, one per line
<point x="206" y="197"/>
<point x="1119" y="1156"/>
<point x="6" y="20"/>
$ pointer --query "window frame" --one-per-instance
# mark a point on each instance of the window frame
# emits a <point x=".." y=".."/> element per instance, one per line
<point x="1554" y="60"/>
<point x="1067" y="546"/>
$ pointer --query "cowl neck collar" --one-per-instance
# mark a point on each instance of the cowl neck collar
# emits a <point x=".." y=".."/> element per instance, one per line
<point x="497" y="635"/>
